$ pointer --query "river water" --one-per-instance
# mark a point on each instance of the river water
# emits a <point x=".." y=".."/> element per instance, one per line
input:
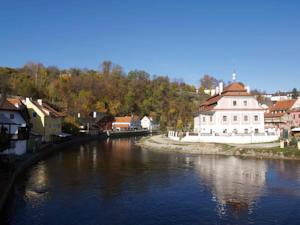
<point x="115" y="182"/>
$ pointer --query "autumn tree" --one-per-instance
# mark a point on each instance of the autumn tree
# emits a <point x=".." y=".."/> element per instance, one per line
<point x="106" y="67"/>
<point x="208" y="82"/>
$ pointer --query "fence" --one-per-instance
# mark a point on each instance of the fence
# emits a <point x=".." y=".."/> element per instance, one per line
<point x="223" y="138"/>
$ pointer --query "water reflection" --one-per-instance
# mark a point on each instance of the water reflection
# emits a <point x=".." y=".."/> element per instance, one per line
<point x="234" y="182"/>
<point x="36" y="190"/>
<point x="116" y="182"/>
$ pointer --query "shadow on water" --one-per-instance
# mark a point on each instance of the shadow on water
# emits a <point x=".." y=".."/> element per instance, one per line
<point x="116" y="182"/>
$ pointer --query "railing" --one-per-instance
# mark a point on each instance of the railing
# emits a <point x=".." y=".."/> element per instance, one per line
<point x="179" y="134"/>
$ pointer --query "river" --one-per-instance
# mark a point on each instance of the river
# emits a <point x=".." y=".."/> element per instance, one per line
<point x="114" y="182"/>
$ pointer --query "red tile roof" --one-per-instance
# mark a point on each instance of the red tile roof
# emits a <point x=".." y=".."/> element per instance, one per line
<point x="11" y="104"/>
<point x="283" y="105"/>
<point x="233" y="89"/>
<point x="123" y="119"/>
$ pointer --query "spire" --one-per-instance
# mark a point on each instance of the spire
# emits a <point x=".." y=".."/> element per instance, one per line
<point x="234" y="76"/>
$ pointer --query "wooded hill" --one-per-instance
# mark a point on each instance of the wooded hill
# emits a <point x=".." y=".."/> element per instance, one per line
<point x="172" y="103"/>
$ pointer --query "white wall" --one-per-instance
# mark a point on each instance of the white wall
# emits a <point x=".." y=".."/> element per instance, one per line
<point x="197" y="124"/>
<point x="212" y="122"/>
<point x="217" y="125"/>
<point x="231" y="139"/>
<point x="18" y="119"/>
<point x="146" y="123"/>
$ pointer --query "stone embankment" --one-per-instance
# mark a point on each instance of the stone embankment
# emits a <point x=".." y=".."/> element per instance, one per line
<point x="265" y="150"/>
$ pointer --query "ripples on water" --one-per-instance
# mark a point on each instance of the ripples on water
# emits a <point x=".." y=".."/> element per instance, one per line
<point x="115" y="182"/>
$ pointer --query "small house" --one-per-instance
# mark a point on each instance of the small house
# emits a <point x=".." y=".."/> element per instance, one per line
<point x="14" y="125"/>
<point x="45" y="119"/>
<point x="126" y="123"/>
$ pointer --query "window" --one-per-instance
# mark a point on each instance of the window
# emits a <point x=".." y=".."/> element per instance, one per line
<point x="11" y="116"/>
<point x="294" y="116"/>
<point x="224" y="118"/>
<point x="34" y="114"/>
<point x="299" y="116"/>
<point x="211" y="118"/>
<point x="203" y="119"/>
<point x="235" y="118"/>
<point x="245" y="103"/>
<point x="235" y="131"/>
<point x="256" y="131"/>
<point x="225" y="131"/>
<point x="246" y="118"/>
<point x="246" y="131"/>
<point x="256" y="118"/>
<point x="234" y="103"/>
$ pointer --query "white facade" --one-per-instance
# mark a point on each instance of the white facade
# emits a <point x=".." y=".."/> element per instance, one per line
<point x="277" y="98"/>
<point x="16" y="118"/>
<point x="232" y="114"/>
<point x="146" y="123"/>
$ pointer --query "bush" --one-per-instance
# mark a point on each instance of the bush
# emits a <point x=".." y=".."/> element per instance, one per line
<point x="294" y="141"/>
<point x="70" y="126"/>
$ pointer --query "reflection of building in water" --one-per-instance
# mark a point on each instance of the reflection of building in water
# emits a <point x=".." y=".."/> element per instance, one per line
<point x="233" y="181"/>
<point x="36" y="187"/>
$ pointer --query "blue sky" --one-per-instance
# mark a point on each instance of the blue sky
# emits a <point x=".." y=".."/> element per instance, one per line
<point x="181" y="39"/>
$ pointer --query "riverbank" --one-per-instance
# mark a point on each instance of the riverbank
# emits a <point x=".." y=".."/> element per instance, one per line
<point x="32" y="158"/>
<point x="265" y="150"/>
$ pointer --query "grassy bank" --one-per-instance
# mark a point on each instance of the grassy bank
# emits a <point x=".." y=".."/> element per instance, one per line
<point x="266" y="150"/>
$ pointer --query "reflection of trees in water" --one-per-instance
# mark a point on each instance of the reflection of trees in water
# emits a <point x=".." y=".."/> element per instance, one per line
<point x="234" y="182"/>
<point x="109" y="167"/>
<point x="126" y="168"/>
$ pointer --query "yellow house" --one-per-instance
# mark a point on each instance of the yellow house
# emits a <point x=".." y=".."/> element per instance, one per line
<point x="45" y="120"/>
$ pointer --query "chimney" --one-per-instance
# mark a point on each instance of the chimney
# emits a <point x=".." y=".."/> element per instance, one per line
<point x="221" y="87"/>
<point x="247" y="89"/>
<point x="27" y="100"/>
<point x="78" y="115"/>
<point x="94" y="115"/>
<point x="40" y="101"/>
<point x="212" y="92"/>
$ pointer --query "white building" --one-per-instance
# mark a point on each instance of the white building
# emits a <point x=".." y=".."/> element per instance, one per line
<point x="126" y="123"/>
<point x="146" y="122"/>
<point x="276" y="98"/>
<point x="14" y="121"/>
<point x="231" y="111"/>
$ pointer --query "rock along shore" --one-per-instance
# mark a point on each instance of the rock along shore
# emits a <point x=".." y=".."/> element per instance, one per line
<point x="265" y="150"/>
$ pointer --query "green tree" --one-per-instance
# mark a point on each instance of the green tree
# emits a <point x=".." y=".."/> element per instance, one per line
<point x="295" y="93"/>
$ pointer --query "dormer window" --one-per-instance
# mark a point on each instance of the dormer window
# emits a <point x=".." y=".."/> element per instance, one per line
<point x="234" y="103"/>
<point x="11" y="116"/>
<point x="224" y="118"/>
<point x="245" y="102"/>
